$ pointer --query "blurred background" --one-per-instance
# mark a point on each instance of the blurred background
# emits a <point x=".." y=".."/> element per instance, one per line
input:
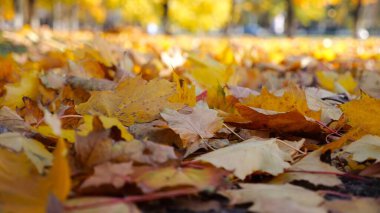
<point x="357" y="18"/>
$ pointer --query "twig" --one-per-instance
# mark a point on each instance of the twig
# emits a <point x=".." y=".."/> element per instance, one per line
<point x="298" y="150"/>
<point x="233" y="132"/>
<point x="328" y="128"/>
<point x="334" y="193"/>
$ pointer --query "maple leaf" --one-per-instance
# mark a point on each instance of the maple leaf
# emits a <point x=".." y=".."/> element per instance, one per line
<point x="185" y="93"/>
<point x="334" y="82"/>
<point x="209" y="72"/>
<point x="27" y="86"/>
<point x="312" y="163"/>
<point x="166" y="177"/>
<point x="147" y="152"/>
<point x="107" y="123"/>
<point x="248" y="157"/>
<point x="109" y="173"/>
<point x="60" y="176"/>
<point x="200" y="124"/>
<point x="359" y="114"/>
<point x="23" y="189"/>
<point x="367" y="147"/>
<point x="276" y="198"/>
<point x="288" y="113"/>
<point x="11" y="121"/>
<point x="133" y="100"/>
<point x="33" y="149"/>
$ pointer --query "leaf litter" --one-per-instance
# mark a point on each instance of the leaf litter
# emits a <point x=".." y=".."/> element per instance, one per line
<point x="91" y="128"/>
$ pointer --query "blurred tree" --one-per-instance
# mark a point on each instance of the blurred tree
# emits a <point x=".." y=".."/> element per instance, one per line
<point x="200" y="15"/>
<point x="7" y="10"/>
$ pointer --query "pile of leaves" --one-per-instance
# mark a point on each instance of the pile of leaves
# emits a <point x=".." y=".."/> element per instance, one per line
<point x="128" y="123"/>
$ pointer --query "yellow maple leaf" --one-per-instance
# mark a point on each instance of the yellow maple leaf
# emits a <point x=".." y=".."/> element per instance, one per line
<point x="362" y="113"/>
<point x="133" y="100"/>
<point x="23" y="189"/>
<point x="185" y="93"/>
<point x="293" y="99"/>
<point x="60" y="172"/>
<point x="331" y="81"/>
<point x="208" y="72"/>
<point x="202" y="179"/>
<point x="360" y="116"/>
<point x="107" y="122"/>
<point x="27" y="86"/>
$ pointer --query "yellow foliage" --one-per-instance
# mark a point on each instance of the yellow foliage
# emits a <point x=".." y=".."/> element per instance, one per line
<point x="196" y="15"/>
<point x="293" y="99"/>
<point x="107" y="122"/>
<point x="208" y="72"/>
<point x="331" y="81"/>
<point x="47" y="131"/>
<point x="134" y="100"/>
<point x="7" y="10"/>
<point x="59" y="175"/>
<point x="27" y="86"/>
<point x="363" y="114"/>
<point x="185" y="93"/>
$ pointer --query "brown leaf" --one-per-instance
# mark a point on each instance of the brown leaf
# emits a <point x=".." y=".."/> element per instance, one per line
<point x="109" y="173"/>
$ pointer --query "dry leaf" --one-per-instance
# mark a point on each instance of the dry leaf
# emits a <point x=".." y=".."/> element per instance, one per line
<point x="94" y="205"/>
<point x="201" y="123"/>
<point x="109" y="173"/>
<point x="205" y="178"/>
<point x="360" y="114"/>
<point x="367" y="205"/>
<point x="276" y="198"/>
<point x="33" y="149"/>
<point x="311" y="163"/>
<point x="367" y="147"/>
<point x="133" y="100"/>
<point x="248" y="157"/>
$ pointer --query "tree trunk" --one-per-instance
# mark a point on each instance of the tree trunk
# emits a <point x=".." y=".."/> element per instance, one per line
<point x="290" y="18"/>
<point x="356" y="18"/>
<point x="28" y="11"/>
<point x="165" y="17"/>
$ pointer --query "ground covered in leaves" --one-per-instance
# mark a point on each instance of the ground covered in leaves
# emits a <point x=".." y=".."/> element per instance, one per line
<point x="133" y="123"/>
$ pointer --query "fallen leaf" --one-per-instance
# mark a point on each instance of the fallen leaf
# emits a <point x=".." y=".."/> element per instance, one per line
<point x="312" y="163"/>
<point x="276" y="198"/>
<point x="33" y="149"/>
<point x="359" y="114"/>
<point x="22" y="189"/>
<point x="99" y="205"/>
<point x="11" y="121"/>
<point x="367" y="147"/>
<point x="133" y="100"/>
<point x="185" y="93"/>
<point x="200" y="124"/>
<point x="109" y="173"/>
<point x="287" y="113"/>
<point x="367" y="205"/>
<point x="107" y="123"/>
<point x="60" y="176"/>
<point x="249" y="156"/>
<point x="27" y="86"/>
<point x="205" y="178"/>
